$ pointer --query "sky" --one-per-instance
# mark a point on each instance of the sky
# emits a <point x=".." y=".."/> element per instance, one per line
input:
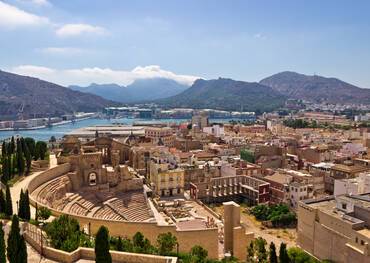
<point x="84" y="41"/>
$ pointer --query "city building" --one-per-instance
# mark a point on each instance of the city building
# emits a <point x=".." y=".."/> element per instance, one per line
<point x="336" y="229"/>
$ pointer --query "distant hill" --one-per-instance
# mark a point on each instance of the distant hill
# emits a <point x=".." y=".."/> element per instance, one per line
<point x="316" y="88"/>
<point x="226" y="94"/>
<point x="108" y="91"/>
<point x="42" y="98"/>
<point x="139" y="90"/>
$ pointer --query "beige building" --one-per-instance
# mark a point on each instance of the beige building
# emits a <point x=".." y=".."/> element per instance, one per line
<point x="166" y="179"/>
<point x="336" y="228"/>
<point x="160" y="135"/>
<point x="236" y="239"/>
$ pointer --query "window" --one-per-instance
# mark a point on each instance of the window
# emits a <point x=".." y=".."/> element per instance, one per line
<point x="362" y="243"/>
<point x="356" y="239"/>
<point x="92" y="179"/>
<point x="344" y="206"/>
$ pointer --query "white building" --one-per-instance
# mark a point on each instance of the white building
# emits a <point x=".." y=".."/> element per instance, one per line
<point x="298" y="192"/>
<point x="353" y="186"/>
<point x="216" y="130"/>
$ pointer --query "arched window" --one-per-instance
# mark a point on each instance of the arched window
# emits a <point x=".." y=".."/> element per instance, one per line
<point x="92" y="179"/>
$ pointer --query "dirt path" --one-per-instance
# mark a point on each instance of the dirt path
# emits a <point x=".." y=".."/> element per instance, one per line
<point x="23" y="183"/>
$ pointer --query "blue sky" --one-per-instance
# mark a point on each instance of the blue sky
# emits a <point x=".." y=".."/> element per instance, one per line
<point x="84" y="41"/>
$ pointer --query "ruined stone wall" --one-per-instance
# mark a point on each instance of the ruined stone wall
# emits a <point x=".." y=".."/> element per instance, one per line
<point x="207" y="238"/>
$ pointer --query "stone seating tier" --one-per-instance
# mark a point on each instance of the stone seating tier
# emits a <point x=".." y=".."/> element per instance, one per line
<point x="131" y="205"/>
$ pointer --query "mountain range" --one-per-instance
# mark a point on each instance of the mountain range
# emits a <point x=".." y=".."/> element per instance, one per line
<point x="35" y="97"/>
<point x="270" y="93"/>
<point x="139" y="90"/>
<point x="226" y="94"/>
<point x="316" y="88"/>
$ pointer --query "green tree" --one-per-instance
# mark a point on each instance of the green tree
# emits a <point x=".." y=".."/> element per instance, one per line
<point x="24" y="206"/>
<point x="102" y="254"/>
<point x="283" y="254"/>
<point x="141" y="244"/>
<point x="260" y="246"/>
<point x="5" y="169"/>
<point x="27" y="208"/>
<point x="119" y="245"/>
<point x="298" y="255"/>
<point x="41" y="149"/>
<point x="12" y="146"/>
<point x="21" y="205"/>
<point x="272" y="253"/>
<point x="43" y="213"/>
<point x="19" y="158"/>
<point x="138" y="240"/>
<point x="247" y="156"/>
<point x="64" y="233"/>
<point x="166" y="243"/>
<point x="2" y="245"/>
<point x="27" y="156"/>
<point x="250" y="253"/>
<point x="16" y="249"/>
<point x="8" y="199"/>
<point x="3" y="149"/>
<point x="31" y="145"/>
<point x="199" y="254"/>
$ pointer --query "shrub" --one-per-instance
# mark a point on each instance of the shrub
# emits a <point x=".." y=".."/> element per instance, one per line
<point x="64" y="233"/>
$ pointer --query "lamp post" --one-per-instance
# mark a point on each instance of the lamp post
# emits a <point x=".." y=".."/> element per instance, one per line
<point x="17" y="207"/>
<point x="177" y="248"/>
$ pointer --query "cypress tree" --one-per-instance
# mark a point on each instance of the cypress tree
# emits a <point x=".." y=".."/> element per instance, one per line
<point x="272" y="253"/>
<point x="283" y="254"/>
<point x="26" y="206"/>
<point x="16" y="249"/>
<point x="102" y="254"/>
<point x="119" y="246"/>
<point x="12" y="145"/>
<point x="30" y="142"/>
<point x="10" y="168"/>
<point x="41" y="149"/>
<point x="21" y="205"/>
<point x="3" y="149"/>
<point x="22" y="250"/>
<point x="28" y="157"/>
<point x="14" y="164"/>
<point x="8" y="200"/>
<point x="2" y="202"/>
<point x="2" y="245"/>
<point x="5" y="169"/>
<point x="19" y="158"/>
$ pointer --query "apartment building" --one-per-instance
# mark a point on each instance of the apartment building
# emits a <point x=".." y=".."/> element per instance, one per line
<point x="166" y="178"/>
<point x="336" y="229"/>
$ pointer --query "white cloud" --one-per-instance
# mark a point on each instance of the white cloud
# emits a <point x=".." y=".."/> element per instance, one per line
<point x="86" y="76"/>
<point x="259" y="36"/>
<point x="40" y="2"/>
<point x="12" y="17"/>
<point x="65" y="51"/>
<point x="35" y="2"/>
<point x="35" y="71"/>
<point x="71" y="30"/>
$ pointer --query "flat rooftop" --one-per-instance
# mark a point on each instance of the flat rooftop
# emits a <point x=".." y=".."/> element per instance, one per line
<point x="116" y="130"/>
